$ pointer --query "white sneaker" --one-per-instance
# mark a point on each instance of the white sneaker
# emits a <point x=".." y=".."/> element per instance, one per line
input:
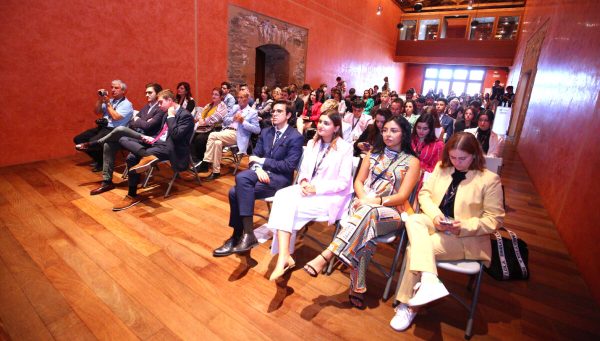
<point x="403" y="318"/>
<point x="427" y="292"/>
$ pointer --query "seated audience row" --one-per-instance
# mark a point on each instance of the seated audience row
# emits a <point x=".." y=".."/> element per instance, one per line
<point x="461" y="201"/>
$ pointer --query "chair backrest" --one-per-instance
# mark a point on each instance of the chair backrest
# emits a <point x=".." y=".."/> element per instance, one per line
<point x="493" y="164"/>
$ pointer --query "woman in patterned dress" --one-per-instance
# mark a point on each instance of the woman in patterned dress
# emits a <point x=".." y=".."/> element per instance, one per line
<point x="382" y="187"/>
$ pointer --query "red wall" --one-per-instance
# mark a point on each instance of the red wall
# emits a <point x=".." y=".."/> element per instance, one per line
<point x="55" y="55"/>
<point x="560" y="144"/>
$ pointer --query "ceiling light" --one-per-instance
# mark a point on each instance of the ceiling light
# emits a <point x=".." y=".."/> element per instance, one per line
<point x="470" y="5"/>
<point x="379" y="9"/>
<point x="418" y="7"/>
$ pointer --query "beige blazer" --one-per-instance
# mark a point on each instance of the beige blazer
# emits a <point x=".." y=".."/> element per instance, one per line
<point x="478" y="206"/>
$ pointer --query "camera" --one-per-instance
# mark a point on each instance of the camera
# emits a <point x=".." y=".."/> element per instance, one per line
<point x="102" y="93"/>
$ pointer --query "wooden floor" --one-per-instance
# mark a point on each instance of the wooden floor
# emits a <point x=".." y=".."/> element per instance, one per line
<point x="71" y="269"/>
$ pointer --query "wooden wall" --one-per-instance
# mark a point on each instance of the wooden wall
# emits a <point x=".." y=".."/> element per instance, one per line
<point x="560" y="143"/>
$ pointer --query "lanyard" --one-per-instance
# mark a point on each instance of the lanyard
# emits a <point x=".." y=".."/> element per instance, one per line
<point x="354" y="124"/>
<point x="115" y="104"/>
<point x="317" y="165"/>
<point x="384" y="171"/>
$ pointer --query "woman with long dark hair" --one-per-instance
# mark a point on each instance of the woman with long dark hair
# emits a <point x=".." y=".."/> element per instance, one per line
<point x="263" y="106"/>
<point x="367" y="139"/>
<point x="184" y="96"/>
<point x="369" y="102"/>
<point x="312" y="110"/>
<point x="410" y="112"/>
<point x="468" y="121"/>
<point x="323" y="190"/>
<point x="491" y="143"/>
<point x="425" y="143"/>
<point x="383" y="184"/>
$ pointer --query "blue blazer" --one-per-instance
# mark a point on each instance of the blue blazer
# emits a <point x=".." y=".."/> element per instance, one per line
<point x="448" y="124"/>
<point x="282" y="158"/>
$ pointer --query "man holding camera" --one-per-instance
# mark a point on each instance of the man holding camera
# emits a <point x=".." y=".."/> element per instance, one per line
<point x="116" y="111"/>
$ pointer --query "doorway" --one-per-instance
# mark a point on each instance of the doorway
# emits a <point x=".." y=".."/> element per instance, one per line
<point x="272" y="67"/>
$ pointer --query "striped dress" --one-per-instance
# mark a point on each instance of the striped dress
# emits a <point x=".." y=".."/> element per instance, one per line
<point x="354" y="243"/>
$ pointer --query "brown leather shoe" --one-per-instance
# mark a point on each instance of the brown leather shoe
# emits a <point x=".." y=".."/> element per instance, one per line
<point x="105" y="187"/>
<point x="82" y="146"/>
<point x="145" y="163"/>
<point x="127" y="202"/>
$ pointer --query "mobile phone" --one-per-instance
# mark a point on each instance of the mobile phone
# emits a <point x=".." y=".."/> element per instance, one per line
<point x="446" y="221"/>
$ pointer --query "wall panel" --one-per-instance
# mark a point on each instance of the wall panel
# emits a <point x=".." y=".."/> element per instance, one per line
<point x="560" y="144"/>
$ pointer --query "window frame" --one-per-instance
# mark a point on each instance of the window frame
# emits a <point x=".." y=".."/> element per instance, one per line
<point x="467" y="81"/>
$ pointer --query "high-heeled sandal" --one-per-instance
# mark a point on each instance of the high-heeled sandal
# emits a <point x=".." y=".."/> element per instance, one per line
<point x="311" y="271"/>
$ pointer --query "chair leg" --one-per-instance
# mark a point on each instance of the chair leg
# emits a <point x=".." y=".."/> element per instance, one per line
<point x="148" y="176"/>
<point x="333" y="259"/>
<point x="469" y="329"/>
<point x="237" y="159"/>
<point x="194" y="171"/>
<point x="390" y="277"/>
<point x="171" y="184"/>
<point x="125" y="173"/>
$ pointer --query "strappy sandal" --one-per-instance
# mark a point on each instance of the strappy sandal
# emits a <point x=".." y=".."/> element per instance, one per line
<point x="357" y="300"/>
<point x="311" y="271"/>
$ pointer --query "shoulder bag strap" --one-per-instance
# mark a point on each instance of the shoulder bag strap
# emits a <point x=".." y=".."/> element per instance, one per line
<point x="515" y="242"/>
<point x="503" y="264"/>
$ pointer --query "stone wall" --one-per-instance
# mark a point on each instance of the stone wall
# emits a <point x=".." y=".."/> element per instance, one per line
<point x="248" y="31"/>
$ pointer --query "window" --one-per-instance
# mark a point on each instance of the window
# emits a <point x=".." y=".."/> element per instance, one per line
<point x="428" y="29"/>
<point x="453" y="81"/>
<point x="507" y="28"/>
<point x="481" y="28"/>
<point x="408" y="30"/>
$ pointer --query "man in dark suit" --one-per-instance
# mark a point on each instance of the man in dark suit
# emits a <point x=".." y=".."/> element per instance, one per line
<point x="272" y="166"/>
<point x="172" y="143"/>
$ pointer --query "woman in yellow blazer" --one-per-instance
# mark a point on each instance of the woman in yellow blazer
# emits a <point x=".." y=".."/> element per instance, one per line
<point x="462" y="205"/>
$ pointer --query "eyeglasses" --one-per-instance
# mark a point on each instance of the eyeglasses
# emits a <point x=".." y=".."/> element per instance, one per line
<point x="483" y="120"/>
<point x="149" y="92"/>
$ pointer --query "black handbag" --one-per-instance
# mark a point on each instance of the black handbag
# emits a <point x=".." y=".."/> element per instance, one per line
<point x="509" y="257"/>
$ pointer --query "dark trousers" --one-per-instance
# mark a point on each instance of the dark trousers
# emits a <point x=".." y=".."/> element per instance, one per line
<point x="241" y="198"/>
<point x="198" y="146"/>
<point x="158" y="149"/>
<point x="90" y="135"/>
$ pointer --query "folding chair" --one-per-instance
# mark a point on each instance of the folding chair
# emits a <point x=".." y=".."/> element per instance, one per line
<point x="474" y="269"/>
<point x="150" y="171"/>
<point x="235" y="158"/>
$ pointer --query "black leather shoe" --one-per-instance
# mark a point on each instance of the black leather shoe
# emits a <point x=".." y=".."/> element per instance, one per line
<point x="213" y="176"/>
<point x="105" y="187"/>
<point x="202" y="167"/>
<point x="247" y="242"/>
<point x="226" y="248"/>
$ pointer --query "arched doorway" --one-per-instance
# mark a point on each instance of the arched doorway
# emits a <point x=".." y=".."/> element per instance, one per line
<point x="272" y="67"/>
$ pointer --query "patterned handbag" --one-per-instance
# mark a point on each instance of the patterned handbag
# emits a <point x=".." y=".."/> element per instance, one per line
<point x="509" y="257"/>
